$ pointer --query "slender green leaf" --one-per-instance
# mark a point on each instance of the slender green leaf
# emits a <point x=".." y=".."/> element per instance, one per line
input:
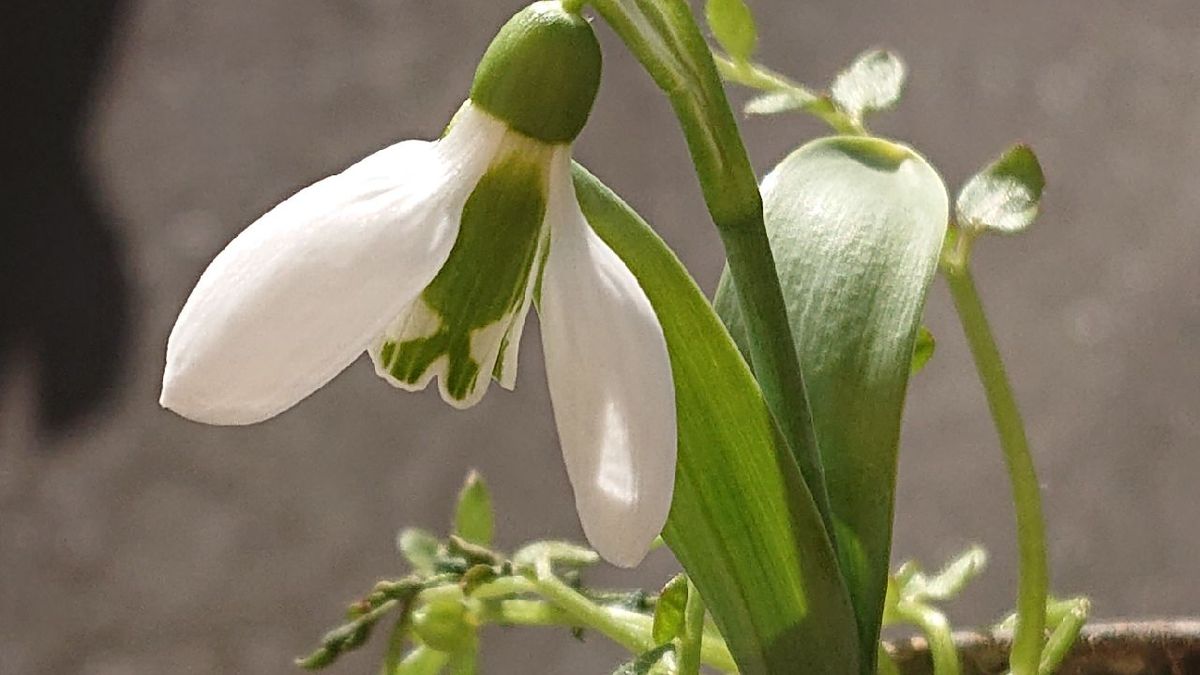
<point x="874" y="81"/>
<point x="742" y="522"/>
<point x="950" y="581"/>
<point x="474" y="520"/>
<point x="1004" y="197"/>
<point x="923" y="350"/>
<point x="668" y="613"/>
<point x="856" y="225"/>
<point x="732" y="25"/>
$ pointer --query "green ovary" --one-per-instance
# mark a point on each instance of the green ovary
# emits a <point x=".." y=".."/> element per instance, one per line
<point x="483" y="282"/>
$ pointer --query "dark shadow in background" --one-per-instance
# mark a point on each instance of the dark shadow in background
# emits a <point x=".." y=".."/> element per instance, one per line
<point x="64" y="296"/>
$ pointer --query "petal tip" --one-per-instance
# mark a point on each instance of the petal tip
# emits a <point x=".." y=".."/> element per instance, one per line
<point x="623" y="546"/>
<point x="205" y="407"/>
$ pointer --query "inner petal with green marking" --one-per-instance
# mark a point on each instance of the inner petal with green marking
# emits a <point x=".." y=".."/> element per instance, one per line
<point x="463" y="323"/>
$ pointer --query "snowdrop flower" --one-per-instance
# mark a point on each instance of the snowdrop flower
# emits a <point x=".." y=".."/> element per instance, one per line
<point x="428" y="255"/>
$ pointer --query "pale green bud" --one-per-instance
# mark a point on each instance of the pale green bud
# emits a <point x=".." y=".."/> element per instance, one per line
<point x="541" y="73"/>
<point x="442" y="622"/>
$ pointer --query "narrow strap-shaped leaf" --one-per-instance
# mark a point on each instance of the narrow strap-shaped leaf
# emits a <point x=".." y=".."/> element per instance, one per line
<point x="742" y="523"/>
<point x="856" y="225"/>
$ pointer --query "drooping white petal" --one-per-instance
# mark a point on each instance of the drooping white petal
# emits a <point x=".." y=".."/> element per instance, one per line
<point x="299" y="294"/>
<point x="610" y="383"/>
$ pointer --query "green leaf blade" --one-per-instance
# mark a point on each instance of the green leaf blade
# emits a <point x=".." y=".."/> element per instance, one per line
<point x="856" y="225"/>
<point x="733" y="26"/>
<point x="419" y="547"/>
<point x="923" y="350"/>
<point x="474" y="519"/>
<point x="668" y="613"/>
<point x="784" y="100"/>
<point x="874" y="81"/>
<point x="1005" y="196"/>
<point x="949" y="582"/>
<point x="742" y="522"/>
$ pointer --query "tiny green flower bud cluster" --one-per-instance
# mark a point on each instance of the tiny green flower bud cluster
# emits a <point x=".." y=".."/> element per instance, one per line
<point x="541" y="73"/>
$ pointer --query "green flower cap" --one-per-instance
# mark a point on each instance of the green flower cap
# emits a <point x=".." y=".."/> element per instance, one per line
<point x="541" y="73"/>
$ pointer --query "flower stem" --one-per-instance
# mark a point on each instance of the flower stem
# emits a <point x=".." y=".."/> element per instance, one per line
<point x="664" y="37"/>
<point x="1033" y="581"/>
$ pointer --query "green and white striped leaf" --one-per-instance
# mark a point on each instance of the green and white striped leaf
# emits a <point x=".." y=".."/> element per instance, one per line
<point x="742" y="523"/>
<point x="856" y="225"/>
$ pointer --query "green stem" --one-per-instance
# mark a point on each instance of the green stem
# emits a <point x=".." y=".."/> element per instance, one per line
<point x="663" y="35"/>
<point x="937" y="632"/>
<point x="631" y="630"/>
<point x="525" y="613"/>
<point x="1064" y="635"/>
<point x="584" y="612"/>
<point x="395" y="647"/>
<point x="760" y="77"/>
<point x="495" y="605"/>
<point x="1033" y="582"/>
<point x="692" y="639"/>
<point x="503" y="587"/>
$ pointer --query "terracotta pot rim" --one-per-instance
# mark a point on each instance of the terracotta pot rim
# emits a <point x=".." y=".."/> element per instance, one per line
<point x="1135" y="647"/>
<point x="1148" y="630"/>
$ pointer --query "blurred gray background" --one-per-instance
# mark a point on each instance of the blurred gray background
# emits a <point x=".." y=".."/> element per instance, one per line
<point x="138" y="542"/>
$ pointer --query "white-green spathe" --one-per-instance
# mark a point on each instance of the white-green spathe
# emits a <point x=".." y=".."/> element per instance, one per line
<point x="428" y="256"/>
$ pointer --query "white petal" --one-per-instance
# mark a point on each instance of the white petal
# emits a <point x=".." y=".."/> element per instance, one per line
<point x="507" y="364"/>
<point x="610" y="382"/>
<point x="299" y="294"/>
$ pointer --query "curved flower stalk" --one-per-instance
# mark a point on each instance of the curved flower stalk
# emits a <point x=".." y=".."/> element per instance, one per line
<point x="429" y="255"/>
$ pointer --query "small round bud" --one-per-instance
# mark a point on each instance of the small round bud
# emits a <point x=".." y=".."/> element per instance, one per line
<point x="541" y="73"/>
<point x="442" y="623"/>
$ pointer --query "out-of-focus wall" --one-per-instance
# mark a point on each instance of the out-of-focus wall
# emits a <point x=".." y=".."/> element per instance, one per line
<point x="143" y="543"/>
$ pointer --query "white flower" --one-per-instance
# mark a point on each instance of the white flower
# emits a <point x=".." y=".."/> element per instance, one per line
<point x="428" y="255"/>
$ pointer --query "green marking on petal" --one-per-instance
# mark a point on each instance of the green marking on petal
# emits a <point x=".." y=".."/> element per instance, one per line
<point x="465" y="315"/>
<point x="389" y="349"/>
